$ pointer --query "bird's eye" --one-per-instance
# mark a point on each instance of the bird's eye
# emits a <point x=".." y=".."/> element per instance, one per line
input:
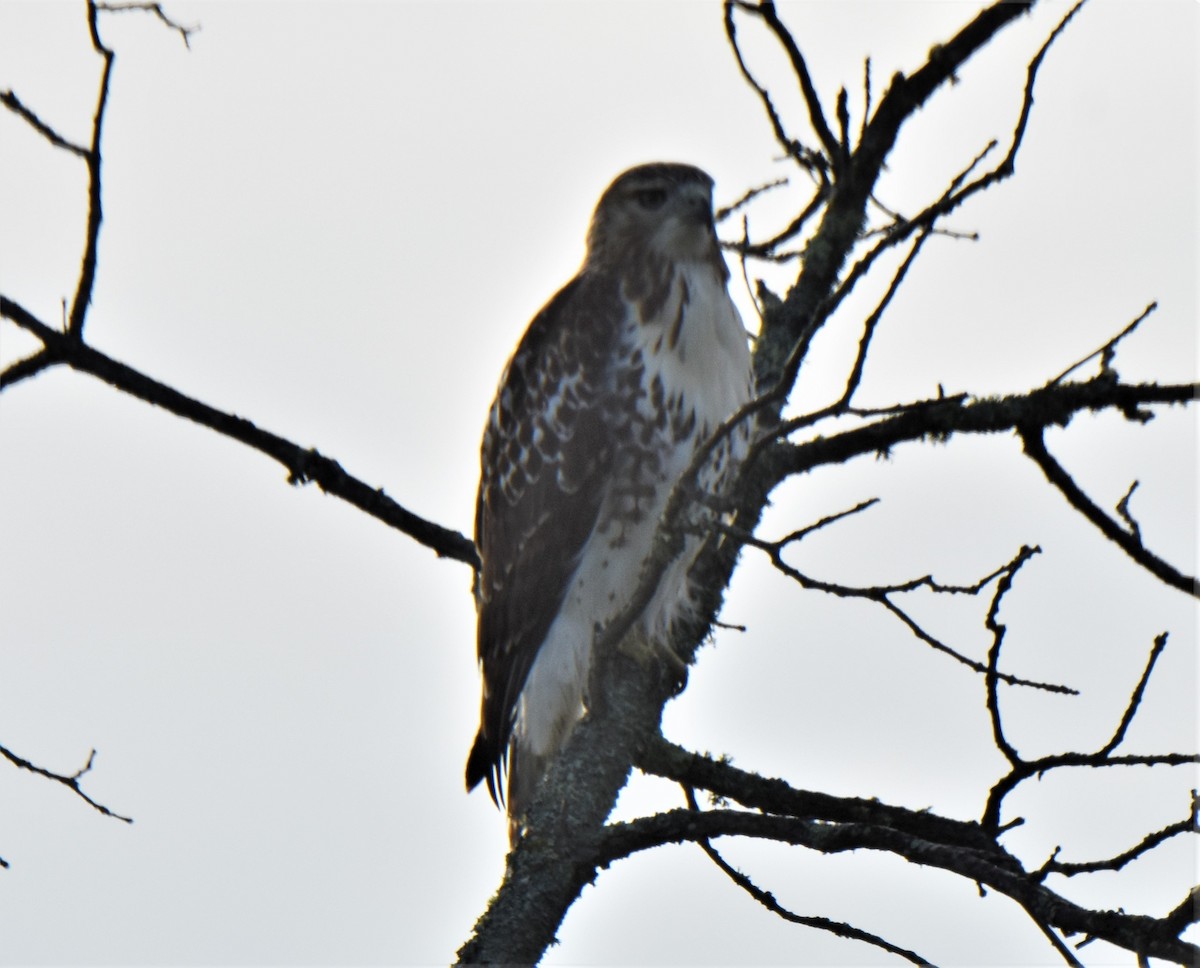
<point x="651" y="198"/>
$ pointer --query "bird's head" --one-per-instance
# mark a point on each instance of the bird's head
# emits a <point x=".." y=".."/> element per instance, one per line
<point x="661" y="211"/>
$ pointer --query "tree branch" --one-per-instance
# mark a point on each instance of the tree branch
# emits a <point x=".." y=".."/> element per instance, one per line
<point x="939" y="419"/>
<point x="1127" y="541"/>
<point x="87" y="270"/>
<point x="185" y="33"/>
<point x="302" y="465"/>
<point x="816" y="114"/>
<point x="70" y="781"/>
<point x="998" y="869"/>
<point x="14" y="104"/>
<point x="767" y="900"/>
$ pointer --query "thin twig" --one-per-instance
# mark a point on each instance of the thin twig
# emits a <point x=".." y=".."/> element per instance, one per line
<point x="95" y="213"/>
<point x="157" y="10"/>
<point x="997" y="628"/>
<point x="1052" y="936"/>
<point x="1160" y="643"/>
<point x="751" y="193"/>
<point x="882" y="594"/>
<point x="860" y="359"/>
<point x="1148" y="843"/>
<point x="1035" y="448"/>
<point x="805" y="157"/>
<point x="1127" y="515"/>
<point x="767" y="900"/>
<point x="816" y="114"/>
<point x="14" y="104"/>
<point x="71" y="781"/>
<point x="1107" y="351"/>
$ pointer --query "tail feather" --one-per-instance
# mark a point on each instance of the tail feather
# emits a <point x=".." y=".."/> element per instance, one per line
<point x="484" y="764"/>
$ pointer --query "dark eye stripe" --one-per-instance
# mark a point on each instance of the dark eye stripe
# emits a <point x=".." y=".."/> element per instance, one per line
<point x="651" y="198"/>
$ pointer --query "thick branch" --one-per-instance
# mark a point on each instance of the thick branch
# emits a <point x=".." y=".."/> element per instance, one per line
<point x="556" y="857"/>
<point x="1000" y="871"/>
<point x="1045" y="406"/>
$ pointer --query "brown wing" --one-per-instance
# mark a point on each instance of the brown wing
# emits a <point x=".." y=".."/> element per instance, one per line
<point x="547" y="453"/>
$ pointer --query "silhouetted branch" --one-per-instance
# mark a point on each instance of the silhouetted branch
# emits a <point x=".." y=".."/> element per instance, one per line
<point x="767" y="900"/>
<point x="1127" y="541"/>
<point x="1021" y="769"/>
<point x="1186" y="914"/>
<point x="725" y="211"/>
<point x="87" y="270"/>
<point x="303" y="465"/>
<point x="884" y="594"/>
<point x="14" y="104"/>
<point x="26" y="367"/>
<point x="69" y="780"/>
<point x="941" y="418"/>
<point x="1108" y="350"/>
<point x="156" y="9"/>
<point x="765" y="10"/>
<point x="1160" y="643"/>
<point x="997" y="869"/>
<point x="1148" y="843"/>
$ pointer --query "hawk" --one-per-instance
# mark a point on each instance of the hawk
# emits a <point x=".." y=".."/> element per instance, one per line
<point x="616" y="383"/>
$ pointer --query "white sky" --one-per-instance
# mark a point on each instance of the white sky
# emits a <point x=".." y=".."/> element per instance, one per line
<point x="336" y="219"/>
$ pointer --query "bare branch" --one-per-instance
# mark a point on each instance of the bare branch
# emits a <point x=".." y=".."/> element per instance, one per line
<point x="23" y="369"/>
<point x="1148" y="843"/>
<point x="856" y="371"/>
<point x="767" y="900"/>
<point x="1108" y="350"/>
<point x="1186" y="914"/>
<point x="882" y="594"/>
<point x="87" y="270"/>
<point x="156" y="9"/>
<point x="1052" y="936"/>
<point x="941" y="418"/>
<point x="993" y="700"/>
<point x="1130" y="543"/>
<point x="816" y="114"/>
<point x="767" y="248"/>
<point x="901" y="229"/>
<point x="14" y="104"/>
<point x="1160" y="643"/>
<point x="955" y="195"/>
<point x="70" y="781"/>
<point x="809" y="160"/>
<point x="1127" y="516"/>
<point x="751" y="193"/>
<point x="303" y="465"/>
<point x="1022" y="769"/>
<point x="996" y="868"/>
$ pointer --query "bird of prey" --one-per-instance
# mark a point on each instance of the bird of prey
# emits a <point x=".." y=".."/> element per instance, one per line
<point x="614" y="386"/>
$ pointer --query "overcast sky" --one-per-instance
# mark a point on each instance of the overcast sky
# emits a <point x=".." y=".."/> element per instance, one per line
<point x="336" y="220"/>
